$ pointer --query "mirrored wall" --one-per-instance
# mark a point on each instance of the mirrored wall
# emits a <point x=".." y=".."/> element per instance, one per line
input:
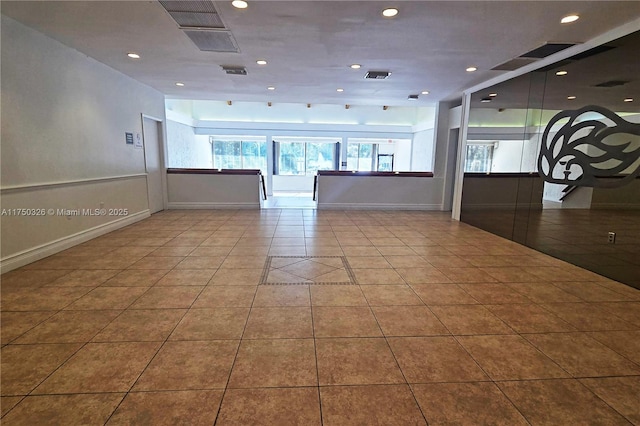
<point x="552" y="160"/>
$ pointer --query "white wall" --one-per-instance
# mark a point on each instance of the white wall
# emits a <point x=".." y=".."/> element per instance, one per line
<point x="64" y="119"/>
<point x="185" y="149"/>
<point x="402" y="157"/>
<point x="299" y="113"/>
<point x="423" y="149"/>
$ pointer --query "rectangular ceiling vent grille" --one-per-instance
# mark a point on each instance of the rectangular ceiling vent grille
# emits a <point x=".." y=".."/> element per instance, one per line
<point x="231" y="70"/>
<point x="189" y="6"/>
<point x="547" y="49"/>
<point x="201" y="22"/>
<point x="193" y="14"/>
<point x="612" y="83"/>
<point x="514" y="64"/>
<point x="197" y="20"/>
<point x="377" y="75"/>
<point x="213" y="41"/>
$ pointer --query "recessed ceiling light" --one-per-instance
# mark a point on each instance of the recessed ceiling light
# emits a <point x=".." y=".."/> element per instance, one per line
<point x="493" y="95"/>
<point x="484" y="100"/>
<point x="569" y="18"/>
<point x="339" y="90"/>
<point x="390" y="12"/>
<point x="271" y="88"/>
<point x="424" y="92"/>
<point x="179" y="84"/>
<point x="239" y="4"/>
<point x="571" y="98"/>
<point x="133" y="55"/>
<point x="261" y="62"/>
<point x="628" y="100"/>
<point x="472" y="69"/>
<point x="355" y="66"/>
<point x="561" y="73"/>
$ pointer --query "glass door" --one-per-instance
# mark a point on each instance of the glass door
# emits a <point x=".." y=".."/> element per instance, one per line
<point x="385" y="162"/>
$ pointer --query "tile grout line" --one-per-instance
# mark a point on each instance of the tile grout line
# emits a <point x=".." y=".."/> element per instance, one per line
<point x="395" y="359"/>
<point x="224" y="392"/>
<point x="165" y="340"/>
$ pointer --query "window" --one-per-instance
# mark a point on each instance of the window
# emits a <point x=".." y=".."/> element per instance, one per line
<point x="233" y="152"/>
<point x="320" y="156"/>
<point x="479" y="157"/>
<point x="385" y="162"/>
<point x="291" y="160"/>
<point x="301" y="158"/>
<point x="378" y="154"/>
<point x="360" y="156"/>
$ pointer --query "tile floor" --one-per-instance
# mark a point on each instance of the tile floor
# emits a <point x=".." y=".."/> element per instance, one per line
<point x="175" y="320"/>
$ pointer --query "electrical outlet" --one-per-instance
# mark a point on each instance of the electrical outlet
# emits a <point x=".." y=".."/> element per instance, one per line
<point x="612" y="237"/>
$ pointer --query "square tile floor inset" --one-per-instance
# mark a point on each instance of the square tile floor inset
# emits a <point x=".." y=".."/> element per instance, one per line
<point x="282" y="270"/>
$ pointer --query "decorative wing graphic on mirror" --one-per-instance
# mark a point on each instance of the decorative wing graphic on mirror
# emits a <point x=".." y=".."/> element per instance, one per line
<point x="593" y="143"/>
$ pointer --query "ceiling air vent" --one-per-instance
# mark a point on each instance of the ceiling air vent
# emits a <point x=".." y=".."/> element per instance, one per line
<point x="377" y="75"/>
<point x="513" y="64"/>
<point x="547" y="49"/>
<point x="193" y="14"/>
<point x="611" y="83"/>
<point x="231" y="70"/>
<point x="201" y="22"/>
<point x="213" y="41"/>
<point x="532" y="56"/>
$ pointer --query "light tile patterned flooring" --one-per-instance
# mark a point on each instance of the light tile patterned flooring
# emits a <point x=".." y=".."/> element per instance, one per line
<point x="163" y="322"/>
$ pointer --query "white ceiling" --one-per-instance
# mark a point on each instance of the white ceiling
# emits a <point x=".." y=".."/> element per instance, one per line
<point x="309" y="45"/>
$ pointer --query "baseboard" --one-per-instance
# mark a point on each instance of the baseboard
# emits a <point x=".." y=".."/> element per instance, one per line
<point x="502" y="206"/>
<point x="378" y="206"/>
<point x="615" y="206"/>
<point x="213" y="206"/>
<point x="25" y="257"/>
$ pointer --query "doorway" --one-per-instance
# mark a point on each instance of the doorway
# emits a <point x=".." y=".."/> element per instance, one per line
<point x="152" y="143"/>
<point x="296" y="161"/>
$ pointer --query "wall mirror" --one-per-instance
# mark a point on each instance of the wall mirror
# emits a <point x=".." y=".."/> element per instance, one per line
<point x="578" y="121"/>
